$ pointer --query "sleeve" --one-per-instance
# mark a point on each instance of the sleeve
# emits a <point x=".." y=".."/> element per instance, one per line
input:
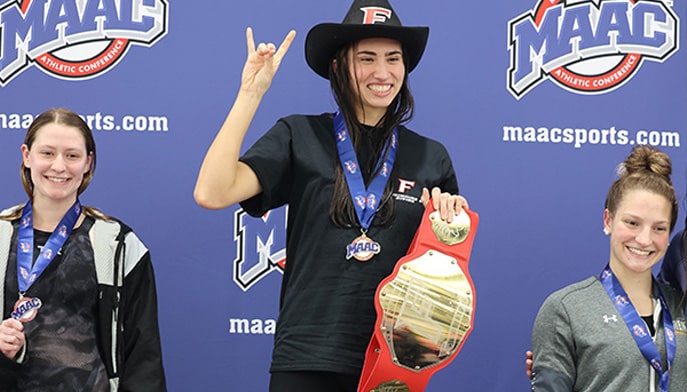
<point x="141" y="352"/>
<point x="673" y="267"/>
<point x="8" y="372"/>
<point x="553" y="369"/>
<point x="270" y="159"/>
<point x="8" y="366"/>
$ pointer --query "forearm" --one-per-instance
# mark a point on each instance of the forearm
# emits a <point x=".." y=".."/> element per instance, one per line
<point x="216" y="186"/>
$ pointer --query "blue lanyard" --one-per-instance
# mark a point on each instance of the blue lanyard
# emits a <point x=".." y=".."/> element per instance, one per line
<point x="365" y="200"/>
<point x="26" y="272"/>
<point x="637" y="328"/>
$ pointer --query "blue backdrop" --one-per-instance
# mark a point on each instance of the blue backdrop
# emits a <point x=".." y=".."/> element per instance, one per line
<point x="537" y="103"/>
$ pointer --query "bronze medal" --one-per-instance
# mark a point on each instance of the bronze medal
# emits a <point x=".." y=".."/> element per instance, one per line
<point x="26" y="308"/>
<point x="362" y="248"/>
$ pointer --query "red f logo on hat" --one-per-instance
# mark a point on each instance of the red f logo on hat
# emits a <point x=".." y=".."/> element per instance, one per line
<point x="375" y="14"/>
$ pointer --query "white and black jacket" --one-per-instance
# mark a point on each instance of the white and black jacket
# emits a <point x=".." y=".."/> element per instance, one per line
<point x="129" y="338"/>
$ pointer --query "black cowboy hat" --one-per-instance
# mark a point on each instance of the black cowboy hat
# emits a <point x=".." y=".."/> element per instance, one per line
<point x="365" y="19"/>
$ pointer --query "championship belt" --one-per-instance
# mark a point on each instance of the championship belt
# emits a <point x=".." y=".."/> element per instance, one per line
<point x="424" y="308"/>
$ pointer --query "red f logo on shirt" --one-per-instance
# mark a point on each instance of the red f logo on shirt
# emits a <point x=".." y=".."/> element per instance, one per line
<point x="375" y="14"/>
<point x="404" y="185"/>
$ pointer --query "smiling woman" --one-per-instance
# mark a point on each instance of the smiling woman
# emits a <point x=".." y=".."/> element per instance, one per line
<point x="339" y="173"/>
<point x="621" y="330"/>
<point x="378" y="71"/>
<point x="57" y="162"/>
<point x="79" y="305"/>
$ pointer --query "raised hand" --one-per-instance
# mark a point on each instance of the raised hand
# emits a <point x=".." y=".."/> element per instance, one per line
<point x="262" y="62"/>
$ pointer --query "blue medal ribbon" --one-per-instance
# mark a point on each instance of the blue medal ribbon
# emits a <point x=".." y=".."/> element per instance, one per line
<point x="637" y="327"/>
<point x="28" y="272"/>
<point x="365" y="199"/>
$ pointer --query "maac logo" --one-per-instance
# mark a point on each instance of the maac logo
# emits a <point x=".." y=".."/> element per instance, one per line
<point x="260" y="246"/>
<point x="588" y="46"/>
<point x="75" y="39"/>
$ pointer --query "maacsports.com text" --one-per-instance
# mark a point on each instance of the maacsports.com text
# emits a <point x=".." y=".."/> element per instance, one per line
<point x="96" y="121"/>
<point x="578" y="137"/>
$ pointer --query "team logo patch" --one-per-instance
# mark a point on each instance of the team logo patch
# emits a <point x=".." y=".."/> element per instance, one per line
<point x="372" y="15"/>
<point x="371" y="201"/>
<point x="360" y="201"/>
<point x="75" y="39"/>
<point x="47" y="253"/>
<point x="384" y="171"/>
<point x="588" y="46"/>
<point x="342" y="136"/>
<point x="24" y="247"/>
<point x="639" y="331"/>
<point x="351" y="167"/>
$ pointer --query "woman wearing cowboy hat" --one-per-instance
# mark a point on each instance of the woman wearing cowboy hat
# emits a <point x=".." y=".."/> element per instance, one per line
<point x="355" y="182"/>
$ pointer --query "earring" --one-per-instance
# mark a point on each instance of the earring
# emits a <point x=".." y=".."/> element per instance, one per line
<point x="606" y="231"/>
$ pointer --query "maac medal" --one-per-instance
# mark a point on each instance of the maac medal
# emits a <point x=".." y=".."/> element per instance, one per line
<point x="362" y="248"/>
<point x="26" y="309"/>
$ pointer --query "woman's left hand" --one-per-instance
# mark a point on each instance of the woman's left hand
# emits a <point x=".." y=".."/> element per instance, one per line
<point x="447" y="204"/>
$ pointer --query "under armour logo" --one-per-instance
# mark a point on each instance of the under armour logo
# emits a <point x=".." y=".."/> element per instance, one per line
<point x="611" y="318"/>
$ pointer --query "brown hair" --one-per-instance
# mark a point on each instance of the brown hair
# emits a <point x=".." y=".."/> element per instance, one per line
<point x="68" y="118"/>
<point x="646" y="168"/>
<point x="63" y="117"/>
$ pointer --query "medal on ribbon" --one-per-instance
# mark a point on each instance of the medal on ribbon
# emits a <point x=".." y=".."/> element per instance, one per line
<point x="637" y="328"/>
<point x="365" y="199"/>
<point x="26" y="308"/>
<point x="362" y="248"/>
<point x="425" y="308"/>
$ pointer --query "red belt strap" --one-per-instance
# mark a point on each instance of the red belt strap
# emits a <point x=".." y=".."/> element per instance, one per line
<point x="425" y="308"/>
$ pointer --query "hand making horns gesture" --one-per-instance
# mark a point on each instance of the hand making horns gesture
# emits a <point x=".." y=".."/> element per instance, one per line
<point x="262" y="62"/>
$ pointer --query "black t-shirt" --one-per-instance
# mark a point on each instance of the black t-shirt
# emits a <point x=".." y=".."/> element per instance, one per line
<point x="62" y="352"/>
<point x="326" y="306"/>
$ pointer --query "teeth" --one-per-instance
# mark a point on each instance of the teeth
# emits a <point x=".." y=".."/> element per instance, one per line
<point x="379" y="88"/>
<point x="57" y="179"/>
<point x="639" y="252"/>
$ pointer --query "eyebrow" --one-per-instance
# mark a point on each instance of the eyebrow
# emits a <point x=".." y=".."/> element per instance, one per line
<point x="638" y="218"/>
<point x="371" y="53"/>
<point x="53" y="147"/>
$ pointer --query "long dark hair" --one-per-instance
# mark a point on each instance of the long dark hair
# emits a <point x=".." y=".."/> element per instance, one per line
<point x="341" y="210"/>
